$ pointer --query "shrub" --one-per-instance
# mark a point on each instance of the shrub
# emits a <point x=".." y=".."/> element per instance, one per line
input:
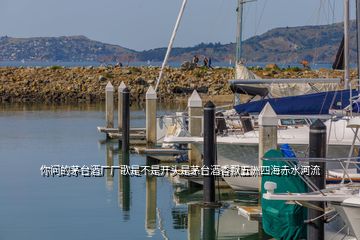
<point x="55" y="67"/>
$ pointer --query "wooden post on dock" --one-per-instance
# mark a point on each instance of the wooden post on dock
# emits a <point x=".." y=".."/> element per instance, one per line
<point x="109" y="101"/>
<point x="126" y="123"/>
<point x="268" y="122"/>
<point x="195" y="127"/>
<point x="317" y="149"/>
<point x="151" y="116"/>
<point x="120" y="104"/>
<point x="209" y="152"/>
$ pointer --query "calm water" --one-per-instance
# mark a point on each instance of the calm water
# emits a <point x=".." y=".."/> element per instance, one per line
<point x="36" y="207"/>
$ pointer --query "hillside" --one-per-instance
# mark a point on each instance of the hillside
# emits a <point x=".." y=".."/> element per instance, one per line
<point x="286" y="45"/>
<point x="72" y="49"/>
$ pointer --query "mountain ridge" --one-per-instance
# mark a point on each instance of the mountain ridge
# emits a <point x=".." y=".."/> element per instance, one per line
<point x="314" y="43"/>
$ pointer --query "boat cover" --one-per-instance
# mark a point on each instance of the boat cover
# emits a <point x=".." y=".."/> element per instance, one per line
<point x="316" y="103"/>
<point x="281" y="220"/>
<point x="249" y="90"/>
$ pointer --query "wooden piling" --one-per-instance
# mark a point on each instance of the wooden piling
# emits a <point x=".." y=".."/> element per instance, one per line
<point x="151" y="116"/>
<point x="109" y="101"/>
<point x="195" y="127"/>
<point x="209" y="152"/>
<point x="268" y="122"/>
<point x="126" y="123"/>
<point x="120" y="104"/>
<point x="317" y="149"/>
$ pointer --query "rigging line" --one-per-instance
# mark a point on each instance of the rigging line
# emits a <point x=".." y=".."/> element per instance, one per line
<point x="314" y="60"/>
<point x="255" y="16"/>
<point x="161" y="227"/>
<point x="218" y="224"/>
<point x="217" y="20"/>
<point x="323" y="103"/>
<point x="334" y="6"/>
<point x="261" y="16"/>
<point x="332" y="10"/>
<point x="323" y="11"/>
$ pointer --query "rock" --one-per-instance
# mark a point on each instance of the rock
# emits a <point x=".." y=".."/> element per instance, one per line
<point x="186" y="66"/>
<point x="218" y="87"/>
<point x="266" y="74"/>
<point x="179" y="90"/>
<point x="102" y="78"/>
<point x="150" y="82"/>
<point x="271" y="66"/>
<point x="202" y="89"/>
<point x="140" y="81"/>
<point x="127" y="71"/>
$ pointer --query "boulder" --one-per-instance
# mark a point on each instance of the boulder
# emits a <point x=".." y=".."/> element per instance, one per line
<point x="186" y="66"/>
<point x="140" y="81"/>
<point x="271" y="66"/>
<point x="202" y="89"/>
<point x="102" y="78"/>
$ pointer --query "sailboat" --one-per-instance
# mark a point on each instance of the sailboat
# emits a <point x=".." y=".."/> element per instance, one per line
<point x="241" y="147"/>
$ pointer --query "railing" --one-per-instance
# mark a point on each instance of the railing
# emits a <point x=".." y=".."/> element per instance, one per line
<point x="353" y="161"/>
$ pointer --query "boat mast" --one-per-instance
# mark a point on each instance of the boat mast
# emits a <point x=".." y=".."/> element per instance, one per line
<point x="239" y="29"/>
<point x="240" y="10"/>
<point x="358" y="38"/>
<point x="171" y="43"/>
<point x="346" y="43"/>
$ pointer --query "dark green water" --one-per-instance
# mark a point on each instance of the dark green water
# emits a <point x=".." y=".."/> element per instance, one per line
<point x="36" y="207"/>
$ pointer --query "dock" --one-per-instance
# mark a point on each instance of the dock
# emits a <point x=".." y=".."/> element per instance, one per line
<point x="162" y="154"/>
<point x="251" y="213"/>
<point x="116" y="130"/>
<point x="137" y="135"/>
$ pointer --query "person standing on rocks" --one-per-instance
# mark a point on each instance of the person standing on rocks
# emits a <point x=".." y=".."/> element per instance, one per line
<point x="206" y="62"/>
<point x="209" y="63"/>
<point x="195" y="60"/>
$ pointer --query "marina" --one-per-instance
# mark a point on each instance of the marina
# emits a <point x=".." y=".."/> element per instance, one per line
<point x="210" y="148"/>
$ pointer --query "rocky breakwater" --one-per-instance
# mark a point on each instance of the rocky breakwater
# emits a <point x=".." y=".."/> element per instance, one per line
<point x="86" y="84"/>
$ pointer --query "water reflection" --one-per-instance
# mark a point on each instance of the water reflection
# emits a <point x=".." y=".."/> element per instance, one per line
<point x="109" y="176"/>
<point x="209" y="224"/>
<point x="180" y="218"/>
<point x="124" y="186"/>
<point x="194" y="222"/>
<point x="150" y="216"/>
<point x="186" y="213"/>
<point x="61" y="107"/>
<point x="165" y="207"/>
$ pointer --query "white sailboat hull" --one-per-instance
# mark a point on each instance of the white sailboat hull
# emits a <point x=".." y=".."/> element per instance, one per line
<point x="242" y="149"/>
<point x="349" y="211"/>
<point x="247" y="155"/>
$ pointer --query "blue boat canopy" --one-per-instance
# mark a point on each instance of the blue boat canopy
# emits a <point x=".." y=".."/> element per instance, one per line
<point x="315" y="103"/>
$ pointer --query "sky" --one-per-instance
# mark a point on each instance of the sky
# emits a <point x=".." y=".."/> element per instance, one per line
<point x="147" y="24"/>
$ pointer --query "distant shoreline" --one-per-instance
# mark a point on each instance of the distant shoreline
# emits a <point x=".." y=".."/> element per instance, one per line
<point x="87" y="84"/>
<point x="146" y="64"/>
